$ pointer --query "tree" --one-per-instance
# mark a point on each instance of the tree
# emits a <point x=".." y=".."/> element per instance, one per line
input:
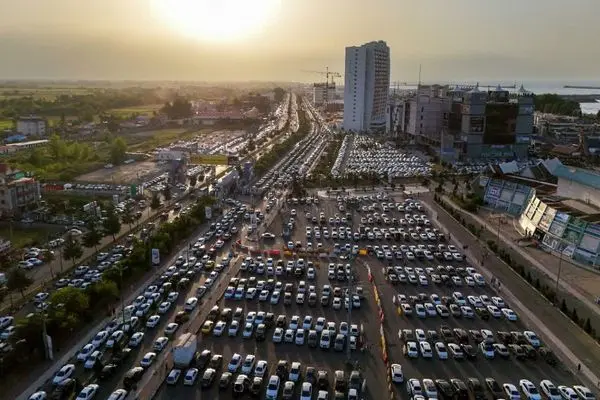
<point x="128" y="217"/>
<point x="17" y="279"/>
<point x="587" y="326"/>
<point x="103" y="293"/>
<point x="111" y="224"/>
<point x="574" y="316"/>
<point x="155" y="202"/>
<point x="118" y="150"/>
<point x="92" y="237"/>
<point x="72" y="249"/>
<point x="563" y="306"/>
<point x="179" y="108"/>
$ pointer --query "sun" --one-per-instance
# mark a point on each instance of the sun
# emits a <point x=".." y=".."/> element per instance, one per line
<point x="215" y="20"/>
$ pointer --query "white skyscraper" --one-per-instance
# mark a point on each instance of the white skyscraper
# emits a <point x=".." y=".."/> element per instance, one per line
<point x="367" y="86"/>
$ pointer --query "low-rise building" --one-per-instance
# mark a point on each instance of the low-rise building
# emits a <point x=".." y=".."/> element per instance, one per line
<point x="18" y="191"/>
<point x="32" y="125"/>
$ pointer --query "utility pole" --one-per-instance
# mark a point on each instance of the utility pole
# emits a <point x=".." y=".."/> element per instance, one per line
<point x="558" y="275"/>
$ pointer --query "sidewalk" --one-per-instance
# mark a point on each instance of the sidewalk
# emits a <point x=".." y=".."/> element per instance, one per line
<point x="511" y="244"/>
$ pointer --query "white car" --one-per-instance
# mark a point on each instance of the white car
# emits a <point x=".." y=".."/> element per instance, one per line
<point x="160" y="344"/>
<point x="429" y="388"/>
<point x="173" y="376"/>
<point x="278" y="335"/>
<point x="85" y="352"/>
<point x="411" y="349"/>
<point x="294" y="322"/>
<point x="148" y="359"/>
<point x="260" y="369"/>
<point x="248" y="364"/>
<point x="325" y="342"/>
<point x="190" y="377"/>
<point x="509" y="314"/>
<point x="153" y="320"/>
<point x="397" y="374"/>
<point x="584" y="392"/>
<point x="337" y="303"/>
<point x="498" y="302"/>
<point x="92" y="359"/>
<point x="100" y="339"/>
<point x="272" y="391"/>
<point x="430" y="308"/>
<point x="164" y="307"/>
<point x="248" y="330"/>
<point x="567" y="393"/>
<point x="494" y="311"/>
<point x="320" y="324"/>
<point x="307" y="322"/>
<point x="533" y="339"/>
<point x="190" y="304"/>
<point x="63" y="374"/>
<point x="234" y="328"/>
<point x="294" y="374"/>
<point x="306" y="391"/>
<point x="414" y="387"/>
<point x="529" y="390"/>
<point x="511" y="391"/>
<point x="550" y="390"/>
<point x="440" y="349"/>
<point x="136" y="339"/>
<point x="88" y="392"/>
<point x="171" y="328"/>
<point x="234" y="363"/>
<point x="487" y="349"/>
<point x="425" y="349"/>
<point x="264" y="295"/>
<point x="420" y="310"/>
<point x="219" y="328"/>
<point x="275" y="297"/>
<point x="299" y="337"/>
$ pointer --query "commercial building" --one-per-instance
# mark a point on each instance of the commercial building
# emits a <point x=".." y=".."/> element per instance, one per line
<point x="16" y="147"/>
<point x="32" y="125"/>
<point x="426" y="113"/>
<point x="366" y="87"/>
<point x="18" y="191"/>
<point x="323" y="93"/>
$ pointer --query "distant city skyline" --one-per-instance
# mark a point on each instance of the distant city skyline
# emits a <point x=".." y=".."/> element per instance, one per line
<point x="276" y="40"/>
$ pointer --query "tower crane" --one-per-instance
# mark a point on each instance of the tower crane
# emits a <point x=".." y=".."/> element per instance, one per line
<point x="327" y="74"/>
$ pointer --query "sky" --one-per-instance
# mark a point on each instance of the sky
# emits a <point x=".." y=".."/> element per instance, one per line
<point x="285" y="40"/>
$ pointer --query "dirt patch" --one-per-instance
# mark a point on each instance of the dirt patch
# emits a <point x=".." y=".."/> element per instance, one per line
<point x="123" y="174"/>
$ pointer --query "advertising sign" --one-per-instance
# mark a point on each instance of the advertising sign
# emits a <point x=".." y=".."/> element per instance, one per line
<point x="562" y="217"/>
<point x="155" y="257"/>
<point x="494" y="191"/>
<point x="477" y="124"/>
<point x="208" y="212"/>
<point x="593" y="229"/>
<point x="209" y="159"/>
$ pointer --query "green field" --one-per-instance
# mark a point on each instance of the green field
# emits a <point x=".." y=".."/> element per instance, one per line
<point x="141" y="110"/>
<point x="21" y="236"/>
<point x="145" y="141"/>
<point x="5" y="124"/>
<point x="48" y="93"/>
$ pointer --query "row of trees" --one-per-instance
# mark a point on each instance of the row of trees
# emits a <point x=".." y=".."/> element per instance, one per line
<point x="83" y="105"/>
<point x="70" y="309"/>
<point x="555" y="104"/>
<point x="179" y="108"/>
<point x="279" y="150"/>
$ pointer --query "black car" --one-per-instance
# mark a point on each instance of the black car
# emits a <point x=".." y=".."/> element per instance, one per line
<point x="445" y="389"/>
<point x="322" y="380"/>
<point x="132" y="377"/>
<point x="282" y="370"/>
<point x="462" y="393"/>
<point x="476" y="388"/>
<point x="65" y="390"/>
<point x="355" y="381"/>
<point x="310" y="375"/>
<point x="281" y="321"/>
<point x="483" y="313"/>
<point x="494" y="387"/>
<point x="548" y="356"/>
<point x="256" y="386"/>
<point x="216" y="362"/>
<point x="202" y="359"/>
<point x="225" y="380"/>
<point x="108" y="370"/>
<point x="470" y="351"/>
<point x="260" y="332"/>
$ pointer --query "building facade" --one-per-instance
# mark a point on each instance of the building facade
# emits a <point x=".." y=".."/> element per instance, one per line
<point x="426" y="119"/>
<point x="323" y="93"/>
<point x="32" y="125"/>
<point x="366" y="87"/>
<point x="18" y="191"/>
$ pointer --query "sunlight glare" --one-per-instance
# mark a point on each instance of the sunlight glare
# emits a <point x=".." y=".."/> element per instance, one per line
<point x="215" y="20"/>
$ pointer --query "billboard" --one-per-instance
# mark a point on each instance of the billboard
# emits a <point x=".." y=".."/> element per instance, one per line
<point x="213" y="159"/>
<point x="155" y="257"/>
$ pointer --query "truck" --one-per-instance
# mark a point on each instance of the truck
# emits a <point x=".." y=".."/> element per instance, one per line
<point x="184" y="350"/>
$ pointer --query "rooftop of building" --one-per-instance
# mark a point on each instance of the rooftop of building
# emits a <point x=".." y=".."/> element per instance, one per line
<point x="31" y="118"/>
<point x="574" y="207"/>
<point x="582" y="176"/>
<point x="30" y="143"/>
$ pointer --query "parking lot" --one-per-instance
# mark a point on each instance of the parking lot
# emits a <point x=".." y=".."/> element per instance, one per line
<point x="504" y="369"/>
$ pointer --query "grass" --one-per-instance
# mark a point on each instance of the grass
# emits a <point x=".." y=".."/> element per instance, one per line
<point x="141" y="110"/>
<point x="5" y="124"/>
<point x="48" y="93"/>
<point x="26" y="237"/>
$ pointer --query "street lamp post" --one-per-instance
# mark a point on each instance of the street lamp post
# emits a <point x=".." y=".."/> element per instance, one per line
<point x="558" y="275"/>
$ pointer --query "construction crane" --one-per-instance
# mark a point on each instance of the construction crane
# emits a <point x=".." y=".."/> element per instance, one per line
<point x="581" y="87"/>
<point x="327" y="74"/>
